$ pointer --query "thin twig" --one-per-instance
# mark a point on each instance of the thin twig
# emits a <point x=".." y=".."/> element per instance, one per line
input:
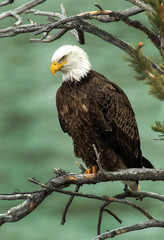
<point x="113" y="215"/>
<point x="47" y="38"/>
<point x="102" y="209"/>
<point x="80" y="166"/>
<point x="98" y="159"/>
<point x="16" y="196"/>
<point x="15" y="12"/>
<point x="140" y="195"/>
<point x="106" y="199"/>
<point x="67" y="206"/>
<point x="34" y="180"/>
<point x="100" y="216"/>
<point x="98" y="6"/>
<point x="59" y="172"/>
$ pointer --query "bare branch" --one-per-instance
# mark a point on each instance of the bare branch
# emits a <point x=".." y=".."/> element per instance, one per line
<point x="132" y="11"/>
<point x="103" y="18"/>
<point x="98" y="6"/>
<point x="33" y="199"/>
<point x="47" y="38"/>
<point x="142" y="5"/>
<point x="15" y="30"/>
<point x="92" y="29"/>
<point x="103" y="209"/>
<point x="115" y="15"/>
<point x="67" y="206"/>
<point x="141" y="195"/>
<point x="134" y="227"/>
<point x="6" y="2"/>
<point x="43" y="13"/>
<point x="80" y="166"/>
<point x="77" y="22"/>
<point x="15" y="12"/>
<point x="15" y="196"/>
<point x="78" y="34"/>
<point x="98" y="159"/>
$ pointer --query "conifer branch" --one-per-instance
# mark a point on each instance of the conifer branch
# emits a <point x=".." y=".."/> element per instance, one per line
<point x="154" y="17"/>
<point x="159" y="127"/>
<point x="145" y="72"/>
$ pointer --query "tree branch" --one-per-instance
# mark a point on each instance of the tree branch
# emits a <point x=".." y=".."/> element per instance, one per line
<point x="103" y="209"/>
<point x="134" y="227"/>
<point x="15" y="12"/>
<point x="63" y="180"/>
<point x="78" y="26"/>
<point x="142" y="5"/>
<point x="112" y="16"/>
<point x="67" y="206"/>
<point x="6" y="2"/>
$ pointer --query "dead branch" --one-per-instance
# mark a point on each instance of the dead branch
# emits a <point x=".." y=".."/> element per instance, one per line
<point x="118" y="16"/>
<point x="63" y="180"/>
<point x="6" y="2"/>
<point x="17" y="11"/>
<point x="141" y="4"/>
<point x="67" y="206"/>
<point x="139" y="226"/>
<point x="104" y="16"/>
<point x="75" y="22"/>
<point x="103" y="209"/>
<point x="77" y="25"/>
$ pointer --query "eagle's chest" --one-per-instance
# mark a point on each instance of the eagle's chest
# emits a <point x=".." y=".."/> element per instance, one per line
<point x="73" y="109"/>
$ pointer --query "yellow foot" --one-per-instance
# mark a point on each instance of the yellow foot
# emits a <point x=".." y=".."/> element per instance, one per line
<point x="92" y="170"/>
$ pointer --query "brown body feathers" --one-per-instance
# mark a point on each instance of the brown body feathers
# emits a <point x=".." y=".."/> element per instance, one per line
<point x="96" y="111"/>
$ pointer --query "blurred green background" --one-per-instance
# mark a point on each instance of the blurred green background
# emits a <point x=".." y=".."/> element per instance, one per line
<point x="32" y="142"/>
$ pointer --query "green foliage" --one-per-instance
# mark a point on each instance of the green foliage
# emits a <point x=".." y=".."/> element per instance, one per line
<point x="154" y="17"/>
<point x="159" y="127"/>
<point x="145" y="72"/>
<point x="143" y="66"/>
<point x="151" y="76"/>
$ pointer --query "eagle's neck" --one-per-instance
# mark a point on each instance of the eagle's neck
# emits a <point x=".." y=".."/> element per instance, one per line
<point x="76" y="71"/>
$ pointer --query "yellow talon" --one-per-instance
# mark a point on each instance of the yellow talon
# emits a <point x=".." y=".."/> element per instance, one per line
<point x="92" y="170"/>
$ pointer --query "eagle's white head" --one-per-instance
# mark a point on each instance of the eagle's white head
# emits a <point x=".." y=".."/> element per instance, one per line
<point x="72" y="61"/>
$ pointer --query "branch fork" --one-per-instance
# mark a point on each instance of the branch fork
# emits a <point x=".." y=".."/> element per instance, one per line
<point x="31" y="200"/>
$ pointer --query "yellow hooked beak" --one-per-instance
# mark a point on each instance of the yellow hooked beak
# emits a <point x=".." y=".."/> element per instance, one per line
<point x="55" y="66"/>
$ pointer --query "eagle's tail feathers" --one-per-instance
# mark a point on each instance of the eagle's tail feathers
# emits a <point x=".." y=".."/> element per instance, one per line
<point x="146" y="163"/>
<point x="134" y="186"/>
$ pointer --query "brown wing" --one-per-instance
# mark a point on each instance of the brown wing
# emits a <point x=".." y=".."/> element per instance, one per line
<point x="58" y="104"/>
<point x="118" y="121"/>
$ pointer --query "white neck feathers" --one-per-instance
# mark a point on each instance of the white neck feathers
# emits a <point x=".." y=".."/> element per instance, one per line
<point x="77" y="66"/>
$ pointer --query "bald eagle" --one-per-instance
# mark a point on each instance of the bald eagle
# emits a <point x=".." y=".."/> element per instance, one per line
<point x="94" y="110"/>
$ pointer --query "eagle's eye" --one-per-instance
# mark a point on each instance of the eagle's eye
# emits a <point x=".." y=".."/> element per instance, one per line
<point x="63" y="58"/>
